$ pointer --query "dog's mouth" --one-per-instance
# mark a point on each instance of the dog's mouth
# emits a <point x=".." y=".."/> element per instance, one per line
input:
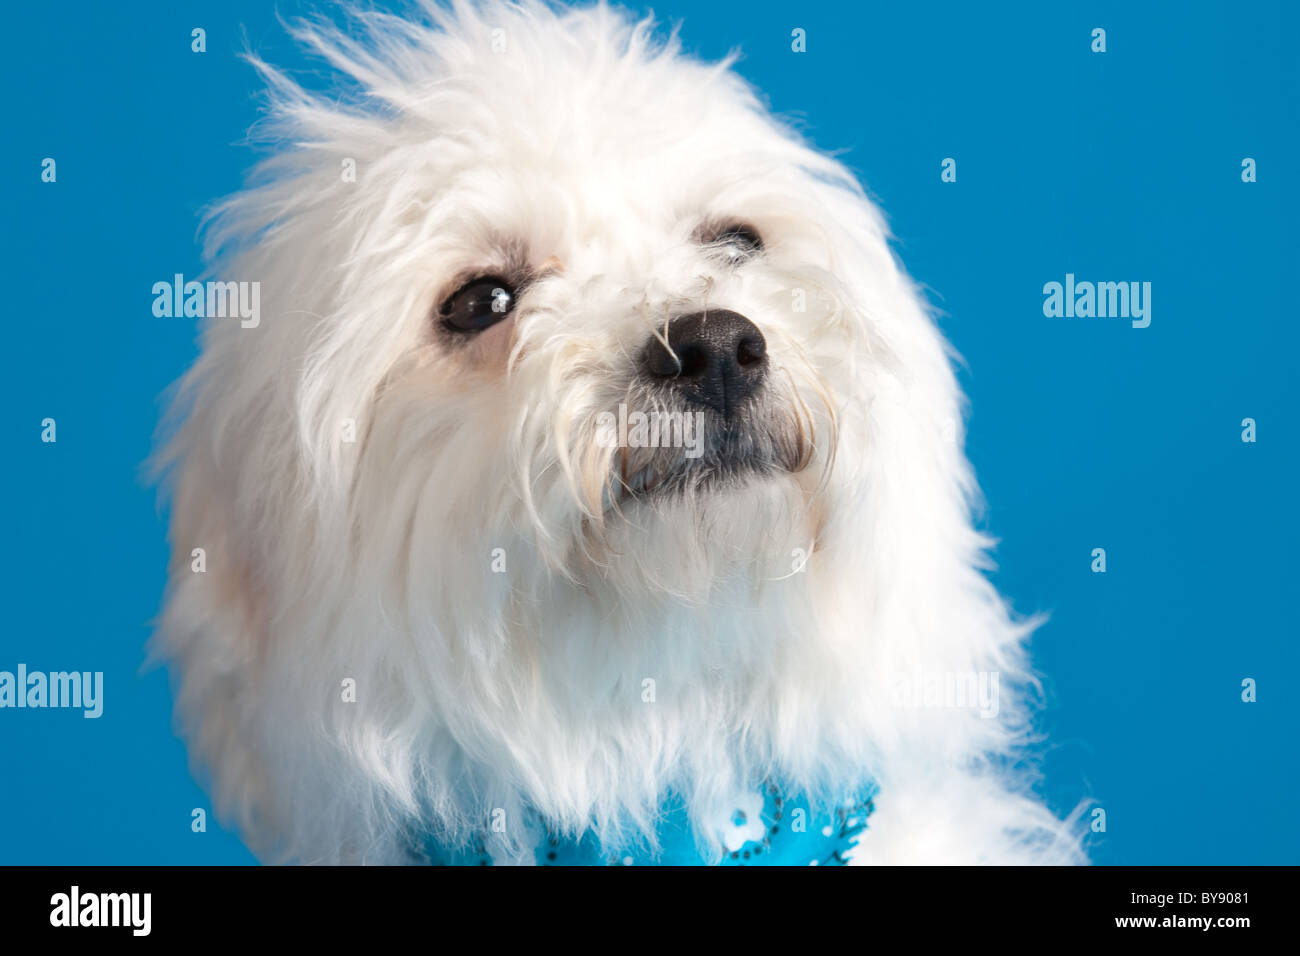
<point x="678" y="453"/>
<point x="737" y="459"/>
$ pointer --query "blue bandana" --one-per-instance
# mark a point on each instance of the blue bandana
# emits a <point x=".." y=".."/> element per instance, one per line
<point x="771" y="830"/>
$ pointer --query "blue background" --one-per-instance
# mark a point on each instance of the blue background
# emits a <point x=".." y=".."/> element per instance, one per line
<point x="1085" y="433"/>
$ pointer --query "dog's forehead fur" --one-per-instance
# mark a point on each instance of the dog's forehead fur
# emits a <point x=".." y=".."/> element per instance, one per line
<point x="430" y="520"/>
<point x="594" y="109"/>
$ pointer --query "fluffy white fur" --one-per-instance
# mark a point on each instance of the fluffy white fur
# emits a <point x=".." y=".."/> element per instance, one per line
<point x="590" y="151"/>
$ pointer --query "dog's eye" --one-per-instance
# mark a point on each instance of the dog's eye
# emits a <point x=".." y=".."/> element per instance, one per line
<point x="735" y="242"/>
<point x="478" y="304"/>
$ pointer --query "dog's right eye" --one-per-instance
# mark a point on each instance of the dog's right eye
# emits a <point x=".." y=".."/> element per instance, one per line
<point x="478" y="304"/>
<point x="735" y="242"/>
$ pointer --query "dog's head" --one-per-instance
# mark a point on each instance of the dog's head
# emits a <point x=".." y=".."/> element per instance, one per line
<point x="569" y="294"/>
<point x="577" y="370"/>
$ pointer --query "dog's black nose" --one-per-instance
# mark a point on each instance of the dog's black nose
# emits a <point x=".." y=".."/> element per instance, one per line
<point x="715" y="358"/>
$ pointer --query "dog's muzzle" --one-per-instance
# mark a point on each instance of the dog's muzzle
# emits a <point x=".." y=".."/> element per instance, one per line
<point x="709" y="369"/>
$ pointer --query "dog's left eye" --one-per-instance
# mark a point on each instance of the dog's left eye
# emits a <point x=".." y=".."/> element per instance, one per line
<point x="735" y="242"/>
<point x="478" y="304"/>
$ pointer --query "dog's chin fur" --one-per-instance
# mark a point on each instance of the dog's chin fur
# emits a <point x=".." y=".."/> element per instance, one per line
<point x="525" y="632"/>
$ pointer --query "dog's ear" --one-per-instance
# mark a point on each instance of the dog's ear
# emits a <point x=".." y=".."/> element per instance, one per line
<point x="211" y="634"/>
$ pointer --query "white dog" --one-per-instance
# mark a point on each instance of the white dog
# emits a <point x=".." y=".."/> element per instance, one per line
<point x="593" y="465"/>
